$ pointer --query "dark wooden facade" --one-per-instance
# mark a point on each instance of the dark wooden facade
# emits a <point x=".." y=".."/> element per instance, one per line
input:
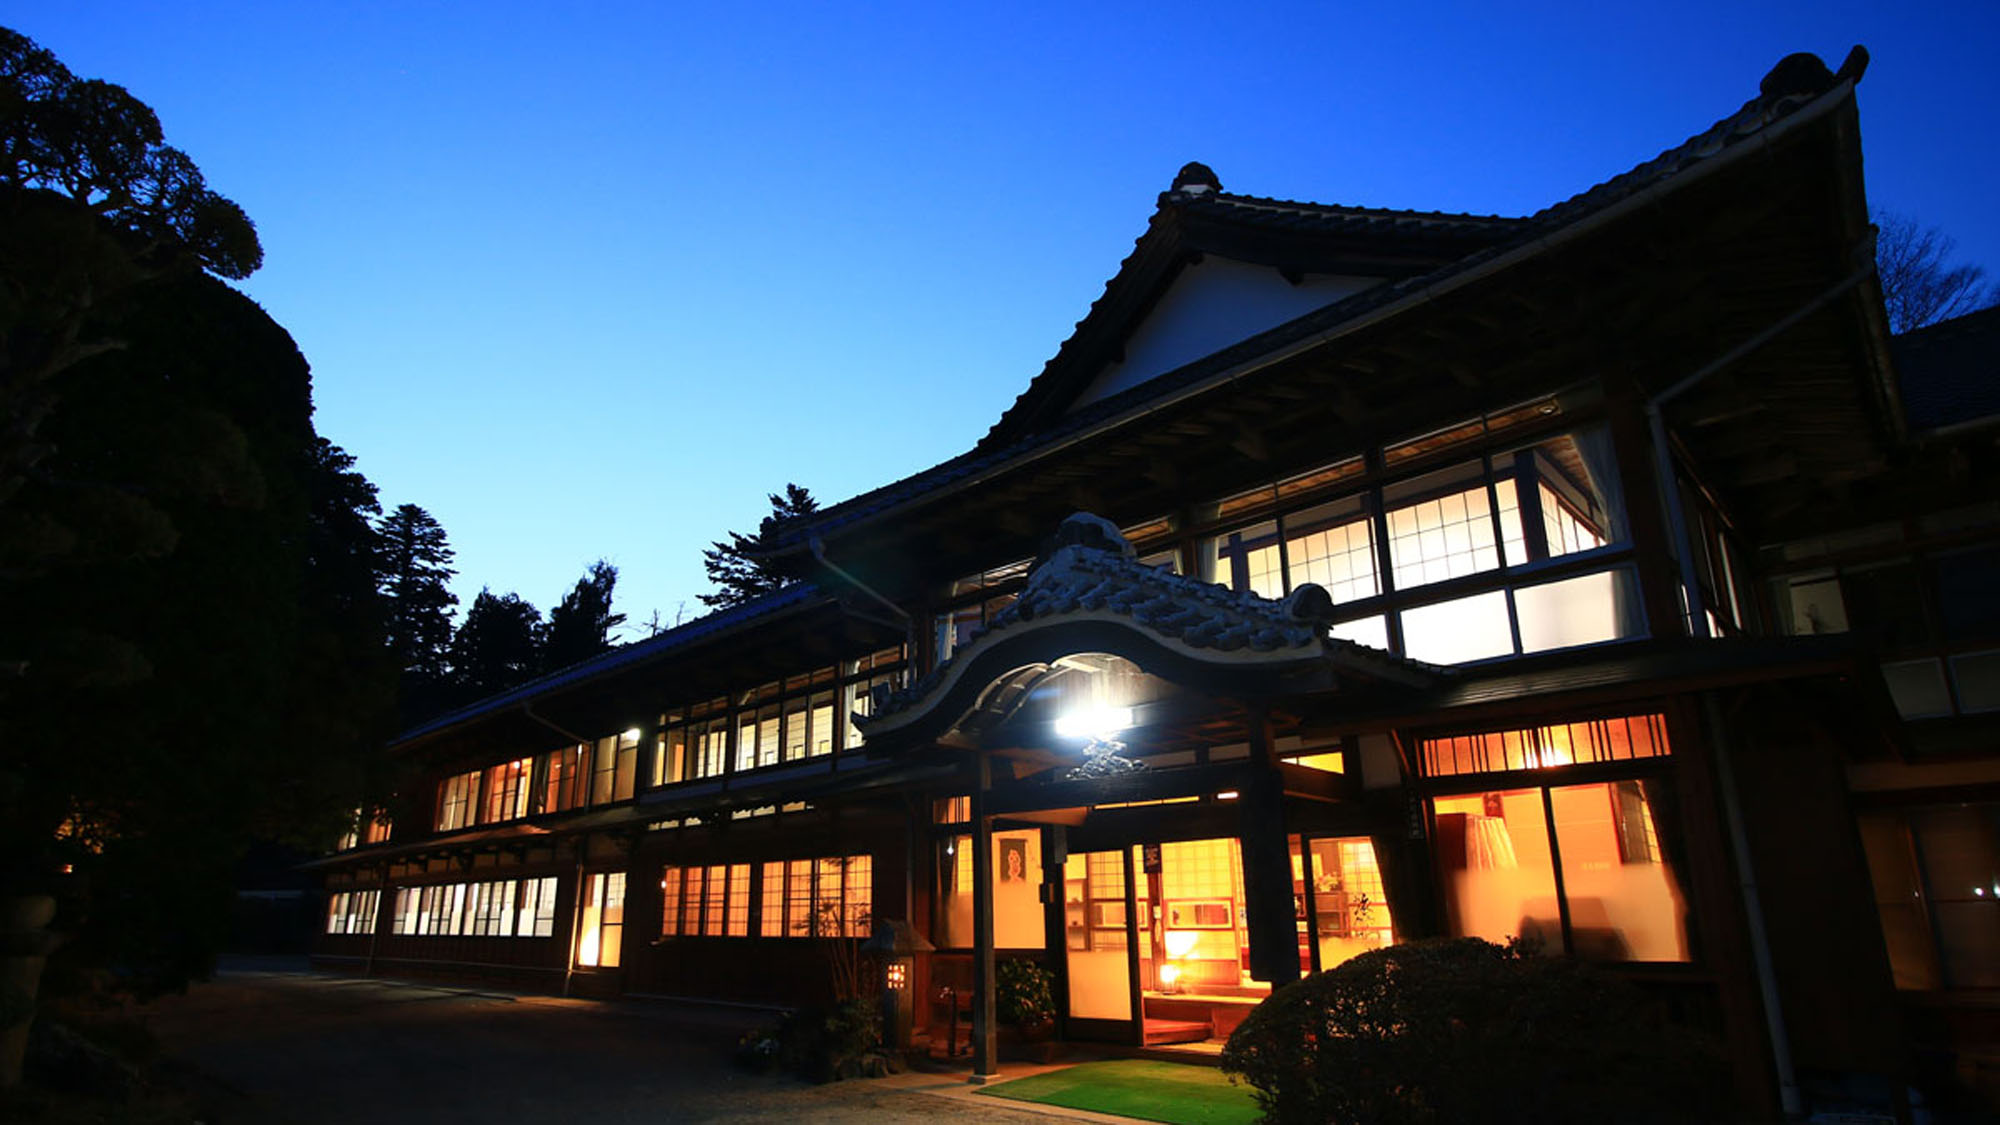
<point x="1707" y="320"/>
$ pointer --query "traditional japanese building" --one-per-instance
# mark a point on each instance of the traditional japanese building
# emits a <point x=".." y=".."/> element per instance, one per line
<point x="1349" y="576"/>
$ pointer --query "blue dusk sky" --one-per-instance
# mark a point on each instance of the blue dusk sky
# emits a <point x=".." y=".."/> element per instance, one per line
<point x="588" y="280"/>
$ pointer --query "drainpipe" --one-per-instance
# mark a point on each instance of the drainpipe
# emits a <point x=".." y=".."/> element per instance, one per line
<point x="1789" y="1097"/>
<point x="528" y="709"/>
<point x="818" y="547"/>
<point x="375" y="931"/>
<point x="575" y="922"/>
<point x="1663" y="462"/>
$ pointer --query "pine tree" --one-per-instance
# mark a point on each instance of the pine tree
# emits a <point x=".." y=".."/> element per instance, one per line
<point x="497" y="646"/>
<point x="580" y="627"/>
<point x="739" y="577"/>
<point x="415" y="577"/>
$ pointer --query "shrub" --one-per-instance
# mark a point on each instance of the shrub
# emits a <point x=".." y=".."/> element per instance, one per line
<point x="1025" y="992"/>
<point x="1459" y="1030"/>
<point x="826" y="1045"/>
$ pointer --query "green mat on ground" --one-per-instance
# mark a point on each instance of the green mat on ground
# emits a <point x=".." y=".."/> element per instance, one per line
<point x="1153" y="1091"/>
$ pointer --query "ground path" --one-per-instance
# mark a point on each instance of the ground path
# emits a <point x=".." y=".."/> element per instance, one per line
<point x="269" y="1044"/>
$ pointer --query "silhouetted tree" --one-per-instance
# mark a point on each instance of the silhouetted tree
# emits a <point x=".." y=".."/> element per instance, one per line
<point x="739" y="577"/>
<point x="497" y="646"/>
<point x="1920" y="286"/>
<point x="180" y="632"/>
<point x="92" y="202"/>
<point x="155" y="450"/>
<point x="415" y="579"/>
<point x="580" y="626"/>
<point x="343" y="700"/>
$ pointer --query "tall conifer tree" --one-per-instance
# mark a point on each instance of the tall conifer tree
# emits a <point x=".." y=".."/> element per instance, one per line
<point x="738" y="576"/>
<point x="416" y="575"/>
<point x="580" y="627"/>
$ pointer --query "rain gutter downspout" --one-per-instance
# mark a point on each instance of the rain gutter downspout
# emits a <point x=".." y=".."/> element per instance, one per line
<point x="576" y="918"/>
<point x="1663" y="466"/>
<point x="528" y="709"/>
<point x="818" y="548"/>
<point x="1790" y="1100"/>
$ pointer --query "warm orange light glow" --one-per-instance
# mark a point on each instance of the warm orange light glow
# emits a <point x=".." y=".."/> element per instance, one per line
<point x="1180" y="943"/>
<point x="1170" y="975"/>
<point x="898" y="976"/>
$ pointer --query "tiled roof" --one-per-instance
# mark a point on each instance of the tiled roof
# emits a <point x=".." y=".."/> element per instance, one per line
<point x="1950" y="372"/>
<point x="722" y="621"/>
<point x="1093" y="572"/>
<point x="1288" y="214"/>
<point x="1797" y="83"/>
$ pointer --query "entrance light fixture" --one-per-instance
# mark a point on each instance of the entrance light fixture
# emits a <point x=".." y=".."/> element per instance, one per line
<point x="1099" y="722"/>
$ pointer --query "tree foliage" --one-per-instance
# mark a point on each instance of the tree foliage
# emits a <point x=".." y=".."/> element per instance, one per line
<point x="415" y="580"/>
<point x="737" y="575"/>
<point x="497" y="646"/>
<point x="580" y="625"/>
<point x="1920" y="284"/>
<point x="92" y="202"/>
<point x="193" y="651"/>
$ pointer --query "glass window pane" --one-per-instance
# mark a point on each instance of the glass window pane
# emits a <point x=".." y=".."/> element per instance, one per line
<point x="1496" y="868"/>
<point x="955" y="892"/>
<point x="1899" y="900"/>
<point x="1578" y="611"/>
<point x="1977" y="676"/>
<point x="1441" y="525"/>
<point x="1624" y="901"/>
<point x="1960" y="849"/>
<point x="771" y="919"/>
<point x="1333" y="545"/>
<point x="1816" y="607"/>
<point x="1918" y="688"/>
<point x="1370" y="631"/>
<point x="1454" y="632"/>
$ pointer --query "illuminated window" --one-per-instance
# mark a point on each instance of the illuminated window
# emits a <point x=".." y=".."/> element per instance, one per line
<point x="1621" y="739"/>
<point x="798" y="898"/>
<point x="616" y="765"/>
<point x="507" y="791"/>
<point x="564" y="784"/>
<point x="537" y="915"/>
<point x="1332" y="545"/>
<point x="1599" y="888"/>
<point x="600" y="920"/>
<point x="352" y="912"/>
<point x="951" y="810"/>
<point x="1453" y="535"/>
<point x="455" y="801"/>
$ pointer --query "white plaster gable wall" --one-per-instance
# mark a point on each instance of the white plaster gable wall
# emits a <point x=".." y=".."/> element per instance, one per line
<point x="1210" y="306"/>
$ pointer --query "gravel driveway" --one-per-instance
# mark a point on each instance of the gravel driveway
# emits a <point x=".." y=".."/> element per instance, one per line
<point x="296" y="1047"/>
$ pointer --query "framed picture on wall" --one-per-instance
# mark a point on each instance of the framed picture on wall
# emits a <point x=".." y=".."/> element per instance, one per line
<point x="1013" y="861"/>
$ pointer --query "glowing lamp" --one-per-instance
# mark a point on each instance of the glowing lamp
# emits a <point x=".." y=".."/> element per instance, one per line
<point x="1170" y="975"/>
<point x="1180" y="943"/>
<point x="1099" y="721"/>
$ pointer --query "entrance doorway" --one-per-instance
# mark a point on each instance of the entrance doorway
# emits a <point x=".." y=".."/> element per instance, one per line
<point x="1157" y="941"/>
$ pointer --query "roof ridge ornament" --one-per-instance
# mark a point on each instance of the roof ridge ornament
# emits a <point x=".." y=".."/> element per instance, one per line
<point x="1195" y="178"/>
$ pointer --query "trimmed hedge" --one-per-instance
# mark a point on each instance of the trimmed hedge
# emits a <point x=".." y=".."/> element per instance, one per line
<point x="1462" y="1030"/>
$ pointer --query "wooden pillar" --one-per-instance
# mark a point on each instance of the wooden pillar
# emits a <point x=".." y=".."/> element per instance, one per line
<point x="984" y="1060"/>
<point x="1267" y="863"/>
